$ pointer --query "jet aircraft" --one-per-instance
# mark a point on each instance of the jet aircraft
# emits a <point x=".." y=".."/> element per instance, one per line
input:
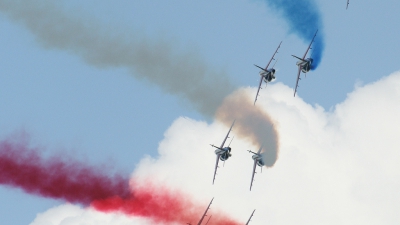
<point x="250" y="217"/>
<point x="304" y="64"/>
<point x="267" y="74"/>
<point x="348" y="1"/>
<point x="204" y="215"/>
<point x="223" y="153"/>
<point x="258" y="160"/>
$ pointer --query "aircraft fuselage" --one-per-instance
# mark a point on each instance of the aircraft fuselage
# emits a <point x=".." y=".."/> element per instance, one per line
<point x="224" y="153"/>
<point x="260" y="161"/>
<point x="268" y="76"/>
<point x="305" y="64"/>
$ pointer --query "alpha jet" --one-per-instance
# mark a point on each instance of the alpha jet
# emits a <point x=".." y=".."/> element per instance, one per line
<point x="223" y="153"/>
<point x="304" y="64"/>
<point x="267" y="75"/>
<point x="204" y="215"/>
<point x="258" y="160"/>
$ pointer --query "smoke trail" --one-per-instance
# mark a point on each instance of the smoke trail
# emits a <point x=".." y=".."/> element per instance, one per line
<point x="55" y="177"/>
<point x="183" y="74"/>
<point x="75" y="182"/>
<point x="162" y="206"/>
<point x="303" y="18"/>
<point x="251" y="123"/>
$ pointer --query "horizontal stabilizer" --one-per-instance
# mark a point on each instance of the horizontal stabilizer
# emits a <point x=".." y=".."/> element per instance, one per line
<point x="216" y="147"/>
<point x="252" y="152"/>
<point x="299" y="58"/>
<point x="261" y="68"/>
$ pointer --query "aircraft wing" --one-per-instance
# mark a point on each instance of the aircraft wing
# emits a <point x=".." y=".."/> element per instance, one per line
<point x="227" y="135"/>
<point x="272" y="58"/>
<point x="258" y="90"/>
<point x="250" y="217"/>
<point x="205" y="213"/>
<point x="254" y="172"/>
<point x="297" y="81"/>
<point x="254" y="167"/>
<point x="216" y="167"/>
<point x="309" y="47"/>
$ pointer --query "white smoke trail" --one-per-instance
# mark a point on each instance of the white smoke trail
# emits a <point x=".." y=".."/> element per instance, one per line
<point x="252" y="123"/>
<point x="182" y="74"/>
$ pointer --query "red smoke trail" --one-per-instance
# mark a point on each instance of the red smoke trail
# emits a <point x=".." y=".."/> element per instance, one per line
<point x="55" y="177"/>
<point x="75" y="182"/>
<point x="162" y="206"/>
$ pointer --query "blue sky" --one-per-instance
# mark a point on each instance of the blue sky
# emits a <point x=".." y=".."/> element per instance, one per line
<point x="109" y="115"/>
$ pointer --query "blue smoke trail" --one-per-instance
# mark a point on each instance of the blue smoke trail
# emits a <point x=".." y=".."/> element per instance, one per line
<point x="303" y="18"/>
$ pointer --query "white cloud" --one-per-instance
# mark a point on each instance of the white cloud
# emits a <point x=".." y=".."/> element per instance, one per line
<point x="339" y="167"/>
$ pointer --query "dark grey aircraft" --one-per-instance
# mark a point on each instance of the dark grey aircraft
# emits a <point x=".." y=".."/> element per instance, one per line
<point x="348" y="1"/>
<point x="223" y="153"/>
<point x="267" y="74"/>
<point x="258" y="160"/>
<point x="303" y="64"/>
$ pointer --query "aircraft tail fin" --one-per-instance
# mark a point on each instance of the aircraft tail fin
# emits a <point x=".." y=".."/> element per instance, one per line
<point x="231" y="141"/>
<point x="275" y="63"/>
